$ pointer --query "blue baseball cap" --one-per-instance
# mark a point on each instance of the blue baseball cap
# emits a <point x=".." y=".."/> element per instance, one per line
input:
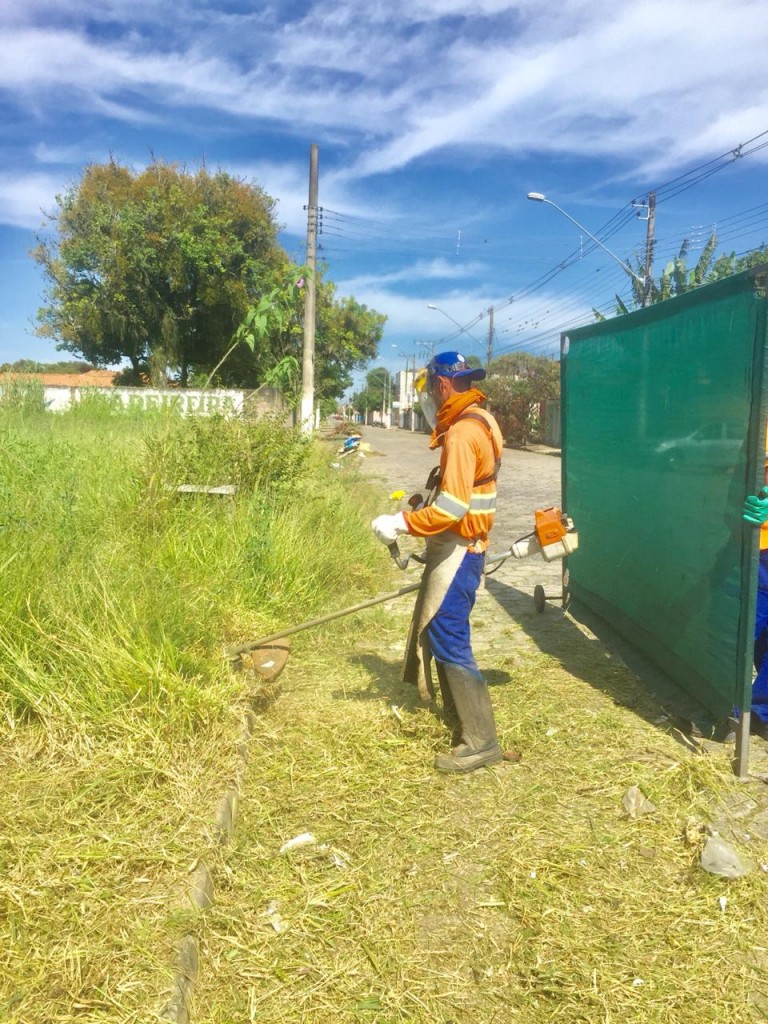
<point x="453" y="365"/>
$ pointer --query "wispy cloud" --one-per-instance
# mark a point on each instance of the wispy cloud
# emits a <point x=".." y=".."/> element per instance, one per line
<point x="641" y="80"/>
<point x="23" y="199"/>
<point x="409" y="317"/>
<point x="422" y="270"/>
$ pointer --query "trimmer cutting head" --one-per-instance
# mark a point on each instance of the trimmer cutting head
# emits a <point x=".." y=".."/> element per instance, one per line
<point x="268" y="661"/>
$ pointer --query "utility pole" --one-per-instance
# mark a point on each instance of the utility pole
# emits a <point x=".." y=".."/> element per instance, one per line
<point x="426" y="350"/>
<point x="649" y="241"/>
<point x="411" y="392"/>
<point x="490" y="336"/>
<point x="308" y="356"/>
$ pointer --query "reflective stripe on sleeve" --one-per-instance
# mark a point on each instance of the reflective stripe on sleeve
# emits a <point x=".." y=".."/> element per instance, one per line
<point x="451" y="506"/>
<point x="483" y="502"/>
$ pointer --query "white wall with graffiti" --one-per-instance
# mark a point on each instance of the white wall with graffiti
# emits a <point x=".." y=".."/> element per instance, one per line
<point x="184" y="401"/>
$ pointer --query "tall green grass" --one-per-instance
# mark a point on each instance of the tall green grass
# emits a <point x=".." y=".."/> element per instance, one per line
<point x="119" y="715"/>
<point x="21" y="396"/>
<point x="120" y="593"/>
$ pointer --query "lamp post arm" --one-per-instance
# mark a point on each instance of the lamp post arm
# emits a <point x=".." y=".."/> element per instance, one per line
<point x="625" y="266"/>
<point x="462" y="330"/>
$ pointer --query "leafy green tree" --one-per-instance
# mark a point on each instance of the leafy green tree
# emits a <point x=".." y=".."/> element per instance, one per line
<point x="181" y="275"/>
<point x="347" y="338"/>
<point x="377" y="393"/>
<point x="347" y="335"/>
<point x="157" y="268"/>
<point x="275" y="314"/>
<point x="677" y="278"/>
<point x="32" y="366"/>
<point x="729" y="263"/>
<point x="516" y="386"/>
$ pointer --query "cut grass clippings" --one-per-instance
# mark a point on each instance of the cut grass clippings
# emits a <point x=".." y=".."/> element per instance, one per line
<point x="96" y="843"/>
<point x="524" y="892"/>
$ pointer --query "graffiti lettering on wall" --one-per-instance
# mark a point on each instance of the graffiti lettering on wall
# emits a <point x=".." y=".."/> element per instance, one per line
<point x="183" y="402"/>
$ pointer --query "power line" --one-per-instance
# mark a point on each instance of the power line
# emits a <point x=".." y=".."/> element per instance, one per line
<point x="350" y="228"/>
<point x="683" y="182"/>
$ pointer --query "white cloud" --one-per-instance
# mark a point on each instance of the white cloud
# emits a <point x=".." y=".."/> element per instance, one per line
<point x="408" y="316"/>
<point x="288" y="183"/>
<point x="45" y="153"/>
<point x="422" y="270"/>
<point x="22" y="199"/>
<point x="638" y="80"/>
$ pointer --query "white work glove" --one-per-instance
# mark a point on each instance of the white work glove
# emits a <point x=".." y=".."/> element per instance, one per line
<point x="389" y="528"/>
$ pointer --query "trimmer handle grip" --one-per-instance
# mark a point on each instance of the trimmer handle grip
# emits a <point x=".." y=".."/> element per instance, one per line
<point x="394" y="550"/>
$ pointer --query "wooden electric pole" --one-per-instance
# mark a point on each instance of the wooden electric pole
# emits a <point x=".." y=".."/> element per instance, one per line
<point x="307" y="413"/>
<point x="490" y="336"/>
<point x="649" y="240"/>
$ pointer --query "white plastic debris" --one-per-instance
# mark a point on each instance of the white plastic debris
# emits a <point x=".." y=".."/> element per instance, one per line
<point x="637" y="983"/>
<point x="636" y="804"/>
<point x="720" y="858"/>
<point x="274" y="918"/>
<point x="723" y="902"/>
<point x="337" y="857"/>
<point x="305" y="839"/>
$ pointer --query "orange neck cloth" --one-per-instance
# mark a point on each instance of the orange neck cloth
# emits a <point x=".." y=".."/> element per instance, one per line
<point x="450" y="411"/>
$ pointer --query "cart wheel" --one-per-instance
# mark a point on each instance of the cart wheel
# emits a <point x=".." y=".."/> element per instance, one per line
<point x="539" y="598"/>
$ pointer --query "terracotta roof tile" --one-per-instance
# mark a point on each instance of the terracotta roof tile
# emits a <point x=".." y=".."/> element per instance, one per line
<point x="91" y="379"/>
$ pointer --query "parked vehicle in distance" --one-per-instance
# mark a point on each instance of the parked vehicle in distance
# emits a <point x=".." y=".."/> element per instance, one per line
<point x="712" y="444"/>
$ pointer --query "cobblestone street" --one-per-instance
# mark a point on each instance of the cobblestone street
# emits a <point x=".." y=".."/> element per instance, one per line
<point x="528" y="480"/>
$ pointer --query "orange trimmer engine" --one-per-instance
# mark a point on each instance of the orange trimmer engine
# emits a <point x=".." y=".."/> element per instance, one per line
<point x="554" y="536"/>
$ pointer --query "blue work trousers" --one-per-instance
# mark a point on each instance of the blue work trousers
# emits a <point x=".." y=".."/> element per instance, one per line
<point x="760" y="685"/>
<point x="448" y="631"/>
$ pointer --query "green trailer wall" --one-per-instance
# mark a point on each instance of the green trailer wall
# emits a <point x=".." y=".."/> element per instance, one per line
<point x="663" y="436"/>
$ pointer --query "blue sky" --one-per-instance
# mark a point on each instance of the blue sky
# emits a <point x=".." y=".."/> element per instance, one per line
<point x="434" y="119"/>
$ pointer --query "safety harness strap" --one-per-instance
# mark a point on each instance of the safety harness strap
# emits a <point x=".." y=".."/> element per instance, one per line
<point x="497" y="465"/>
<point x="433" y="482"/>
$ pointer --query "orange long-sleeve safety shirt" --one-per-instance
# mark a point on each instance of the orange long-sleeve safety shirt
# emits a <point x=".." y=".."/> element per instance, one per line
<point x="470" y="450"/>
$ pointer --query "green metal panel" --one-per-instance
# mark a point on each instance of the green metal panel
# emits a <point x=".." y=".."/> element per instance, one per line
<point x="663" y="437"/>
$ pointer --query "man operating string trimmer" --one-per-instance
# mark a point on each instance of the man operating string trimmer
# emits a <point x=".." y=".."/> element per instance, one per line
<point x="456" y="527"/>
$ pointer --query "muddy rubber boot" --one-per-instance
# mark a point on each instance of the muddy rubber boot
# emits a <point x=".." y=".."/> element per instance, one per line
<point x="449" y="713"/>
<point x="479" y="746"/>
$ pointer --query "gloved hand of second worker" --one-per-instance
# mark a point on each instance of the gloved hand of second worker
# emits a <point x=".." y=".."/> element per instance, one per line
<point x="756" y="509"/>
<point x="389" y="528"/>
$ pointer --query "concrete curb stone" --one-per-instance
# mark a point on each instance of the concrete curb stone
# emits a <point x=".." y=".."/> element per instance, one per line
<point x="200" y="893"/>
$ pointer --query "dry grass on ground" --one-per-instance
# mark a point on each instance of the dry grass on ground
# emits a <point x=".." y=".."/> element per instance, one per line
<point x="98" y="835"/>
<point x="519" y="893"/>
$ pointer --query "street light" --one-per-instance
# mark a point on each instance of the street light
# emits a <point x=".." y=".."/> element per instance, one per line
<point x="462" y="330"/>
<point x="538" y="197"/>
